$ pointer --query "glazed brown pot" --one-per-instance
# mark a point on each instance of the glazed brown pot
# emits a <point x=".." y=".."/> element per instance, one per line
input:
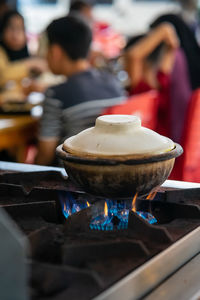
<point x="119" y="178"/>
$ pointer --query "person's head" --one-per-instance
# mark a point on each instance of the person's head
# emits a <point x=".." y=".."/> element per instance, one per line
<point x="82" y="7"/>
<point x="189" y="4"/>
<point x="154" y="57"/>
<point x="12" y="30"/>
<point x="69" y="40"/>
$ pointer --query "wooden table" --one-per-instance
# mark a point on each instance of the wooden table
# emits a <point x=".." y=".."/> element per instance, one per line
<point x="16" y="132"/>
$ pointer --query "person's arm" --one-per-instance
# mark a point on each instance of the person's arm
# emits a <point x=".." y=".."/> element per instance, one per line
<point x="167" y="61"/>
<point x="163" y="33"/>
<point x="50" y="131"/>
<point x="134" y="68"/>
<point x="46" y="151"/>
<point x="143" y="48"/>
<point x="172" y="44"/>
<point x="18" y="70"/>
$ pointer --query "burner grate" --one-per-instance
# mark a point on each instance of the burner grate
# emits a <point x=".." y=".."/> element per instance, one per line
<point x="67" y="258"/>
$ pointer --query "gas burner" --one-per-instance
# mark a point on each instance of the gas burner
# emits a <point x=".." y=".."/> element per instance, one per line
<point x="114" y="215"/>
<point x="111" y="214"/>
<point x="83" y="245"/>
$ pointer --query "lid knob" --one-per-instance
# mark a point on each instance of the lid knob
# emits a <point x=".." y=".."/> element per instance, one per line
<point x="114" y="123"/>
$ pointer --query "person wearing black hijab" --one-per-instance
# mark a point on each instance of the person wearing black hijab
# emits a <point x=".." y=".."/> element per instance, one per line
<point x="15" y="61"/>
<point x="185" y="76"/>
<point x="188" y="43"/>
<point x="12" y="35"/>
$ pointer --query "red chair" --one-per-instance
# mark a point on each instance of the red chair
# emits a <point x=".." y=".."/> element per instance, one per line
<point x="144" y="105"/>
<point x="187" y="167"/>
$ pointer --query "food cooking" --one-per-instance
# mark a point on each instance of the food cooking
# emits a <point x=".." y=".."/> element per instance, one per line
<point x="118" y="157"/>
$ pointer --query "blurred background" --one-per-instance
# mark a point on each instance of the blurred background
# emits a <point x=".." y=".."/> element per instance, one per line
<point x="114" y="25"/>
<point x="126" y="16"/>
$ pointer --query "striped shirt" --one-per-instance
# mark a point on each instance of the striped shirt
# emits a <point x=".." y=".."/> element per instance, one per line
<point x="75" y="104"/>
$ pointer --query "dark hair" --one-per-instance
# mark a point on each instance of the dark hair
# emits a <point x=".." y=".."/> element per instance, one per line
<point x="4" y="21"/>
<point x="73" y="34"/>
<point x="187" y="42"/>
<point x="79" y="5"/>
<point x="154" y="56"/>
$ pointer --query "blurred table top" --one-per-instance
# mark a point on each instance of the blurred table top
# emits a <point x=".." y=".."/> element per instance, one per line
<point x="16" y="132"/>
<point x="8" y="122"/>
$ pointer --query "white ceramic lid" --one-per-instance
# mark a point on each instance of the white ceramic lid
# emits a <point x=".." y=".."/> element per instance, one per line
<point x="117" y="135"/>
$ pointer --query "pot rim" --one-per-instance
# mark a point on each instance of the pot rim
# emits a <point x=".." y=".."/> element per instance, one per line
<point x="126" y="160"/>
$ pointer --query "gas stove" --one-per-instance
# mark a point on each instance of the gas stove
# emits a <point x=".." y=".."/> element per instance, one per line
<point x="78" y="250"/>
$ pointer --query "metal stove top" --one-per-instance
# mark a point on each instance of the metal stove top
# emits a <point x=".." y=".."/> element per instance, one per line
<point x="68" y="259"/>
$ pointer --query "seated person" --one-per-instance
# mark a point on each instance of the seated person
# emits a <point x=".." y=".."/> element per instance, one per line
<point x="149" y="60"/>
<point x="84" y="8"/>
<point x="15" y="61"/>
<point x="73" y="105"/>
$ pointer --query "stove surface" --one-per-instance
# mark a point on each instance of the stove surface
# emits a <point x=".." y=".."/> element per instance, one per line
<point x="69" y="259"/>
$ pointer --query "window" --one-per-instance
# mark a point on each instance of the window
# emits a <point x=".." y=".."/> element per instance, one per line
<point x="39" y="13"/>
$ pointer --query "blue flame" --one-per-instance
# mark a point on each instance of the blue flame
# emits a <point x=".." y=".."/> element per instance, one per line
<point x="70" y="205"/>
<point x="147" y="217"/>
<point x="116" y="217"/>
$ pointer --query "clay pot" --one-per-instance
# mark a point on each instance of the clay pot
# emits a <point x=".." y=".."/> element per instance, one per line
<point x="118" y="158"/>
